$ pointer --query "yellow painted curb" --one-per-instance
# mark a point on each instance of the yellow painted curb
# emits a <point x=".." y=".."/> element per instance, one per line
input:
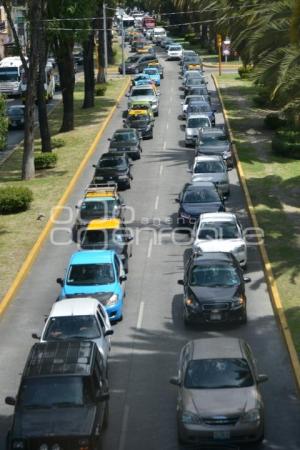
<point x="224" y="66"/>
<point x="271" y="282"/>
<point x="32" y="255"/>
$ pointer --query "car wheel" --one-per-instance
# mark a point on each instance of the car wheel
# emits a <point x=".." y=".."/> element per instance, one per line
<point x="156" y="114"/>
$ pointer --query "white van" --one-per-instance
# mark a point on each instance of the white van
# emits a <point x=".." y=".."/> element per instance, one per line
<point x="158" y="34"/>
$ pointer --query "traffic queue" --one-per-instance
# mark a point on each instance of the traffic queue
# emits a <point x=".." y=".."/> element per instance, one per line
<point x="75" y="343"/>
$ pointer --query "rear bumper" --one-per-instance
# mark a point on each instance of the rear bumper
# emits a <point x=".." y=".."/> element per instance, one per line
<point x="210" y="316"/>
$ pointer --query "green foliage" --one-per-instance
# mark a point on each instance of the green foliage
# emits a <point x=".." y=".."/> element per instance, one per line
<point x="262" y="99"/>
<point x="245" y="72"/>
<point x="273" y="121"/>
<point x="3" y="123"/>
<point x="14" y="199"/>
<point x="57" y="142"/>
<point x="100" y="89"/>
<point x="286" y="143"/>
<point x="45" y="161"/>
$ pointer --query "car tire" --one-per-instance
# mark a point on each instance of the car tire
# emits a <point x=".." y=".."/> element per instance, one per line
<point x="156" y="114"/>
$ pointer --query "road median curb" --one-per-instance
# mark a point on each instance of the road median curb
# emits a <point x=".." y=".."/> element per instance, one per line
<point x="33" y="253"/>
<point x="269" y="276"/>
<point x="224" y="66"/>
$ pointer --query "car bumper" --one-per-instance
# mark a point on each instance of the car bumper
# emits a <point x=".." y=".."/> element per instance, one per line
<point x="119" y="181"/>
<point x="214" y="315"/>
<point x="187" y="221"/>
<point x="223" y="188"/>
<point x="115" y="312"/>
<point x="212" y="434"/>
<point x="191" y="140"/>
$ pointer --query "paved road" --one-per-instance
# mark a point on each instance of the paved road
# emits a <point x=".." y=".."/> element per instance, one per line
<point x="147" y="342"/>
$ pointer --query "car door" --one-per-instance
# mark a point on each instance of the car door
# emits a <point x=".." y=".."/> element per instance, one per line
<point x="120" y="271"/>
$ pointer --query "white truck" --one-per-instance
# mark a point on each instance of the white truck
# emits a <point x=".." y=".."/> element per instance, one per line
<point x="158" y="34"/>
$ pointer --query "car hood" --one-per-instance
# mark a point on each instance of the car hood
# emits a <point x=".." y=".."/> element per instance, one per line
<point x="220" y="402"/>
<point x="68" y="290"/>
<point x="213" y="149"/>
<point x="213" y="177"/>
<point x="218" y="245"/>
<point x="55" y="422"/>
<point x="145" y="98"/>
<point x="199" y="208"/>
<point x="192" y="131"/>
<point x="215" y="294"/>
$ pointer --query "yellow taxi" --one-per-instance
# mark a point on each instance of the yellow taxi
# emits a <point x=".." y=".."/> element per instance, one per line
<point x="141" y="120"/>
<point x="194" y="67"/>
<point x="108" y="234"/>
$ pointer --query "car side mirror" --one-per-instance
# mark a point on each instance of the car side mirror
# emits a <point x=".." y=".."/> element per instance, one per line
<point x="109" y="139"/>
<point x="108" y="332"/>
<point x="10" y="401"/>
<point x="262" y="378"/>
<point x="184" y="126"/>
<point x="175" y="381"/>
<point x="123" y="278"/>
<point x="180" y="282"/>
<point x="177" y="200"/>
<point x="182" y="103"/>
<point x="247" y="279"/>
<point x="94" y="165"/>
<point x="36" y="336"/>
<point x="60" y="281"/>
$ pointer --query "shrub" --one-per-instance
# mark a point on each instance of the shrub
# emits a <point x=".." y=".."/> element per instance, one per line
<point x="14" y="199"/>
<point x="262" y="98"/>
<point x="57" y="143"/>
<point x="286" y="143"/>
<point x="245" y="72"/>
<point x="100" y="90"/>
<point x="45" y="161"/>
<point x="273" y="121"/>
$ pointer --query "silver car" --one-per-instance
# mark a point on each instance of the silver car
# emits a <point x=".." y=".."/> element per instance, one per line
<point x="211" y="168"/>
<point x="187" y="100"/>
<point x="219" y="400"/>
<point x="193" y="125"/>
<point x="145" y="93"/>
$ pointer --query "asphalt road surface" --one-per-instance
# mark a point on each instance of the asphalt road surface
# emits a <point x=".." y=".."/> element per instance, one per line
<point x="146" y="343"/>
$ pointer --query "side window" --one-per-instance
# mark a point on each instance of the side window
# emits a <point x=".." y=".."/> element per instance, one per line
<point x="100" y="319"/>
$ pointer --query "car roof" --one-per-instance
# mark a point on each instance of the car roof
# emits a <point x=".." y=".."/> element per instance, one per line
<point x="198" y="115"/>
<point x="60" y="358"/>
<point x="217" y="347"/>
<point x="213" y="256"/>
<point x="124" y="130"/>
<point x="104" y="224"/>
<point x="210" y="131"/>
<point x="198" y="184"/>
<point x="135" y="112"/>
<point x="92" y="257"/>
<point x="208" y="158"/>
<point x="218" y="217"/>
<point x="77" y="306"/>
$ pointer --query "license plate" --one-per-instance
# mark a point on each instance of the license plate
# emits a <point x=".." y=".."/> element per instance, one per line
<point x="221" y="435"/>
<point x="215" y="316"/>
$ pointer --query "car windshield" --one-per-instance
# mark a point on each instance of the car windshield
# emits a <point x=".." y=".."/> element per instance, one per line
<point x="213" y="275"/>
<point x="198" y="122"/>
<point x="15" y="112"/>
<point x="151" y="71"/>
<point x="213" y="140"/>
<point x="199" y="91"/>
<point x="195" y="81"/>
<point x="218" y="374"/>
<point x="209" y="167"/>
<point x="143" y="118"/>
<point x="51" y="392"/>
<point x="137" y="92"/>
<point x="102" y="239"/>
<point x="124" y="137"/>
<point x="105" y="208"/>
<point x="9" y="74"/>
<point x="198" y="108"/>
<point x="72" y="327"/>
<point x="219" y="230"/>
<point x="194" y="60"/>
<point x="174" y="48"/>
<point x="90" y="274"/>
<point x="132" y="59"/>
<point x="111" y="163"/>
<point x="201" y="195"/>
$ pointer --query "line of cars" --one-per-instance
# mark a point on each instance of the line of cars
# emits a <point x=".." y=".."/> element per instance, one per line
<point x="219" y="400"/>
<point x="63" y="398"/>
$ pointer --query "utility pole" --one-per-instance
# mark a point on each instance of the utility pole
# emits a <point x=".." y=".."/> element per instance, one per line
<point x="219" y="44"/>
<point x="123" y="47"/>
<point x="105" y="41"/>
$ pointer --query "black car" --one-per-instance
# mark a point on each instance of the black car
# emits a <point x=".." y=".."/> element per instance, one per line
<point x="126" y="140"/>
<point x="115" y="168"/>
<point x="214" y="289"/>
<point x="137" y="63"/>
<point x="143" y="123"/>
<point x="198" y="198"/>
<point x="15" y="115"/>
<point x="62" y="402"/>
<point x="194" y="83"/>
<point x="215" y="142"/>
<point x="117" y="239"/>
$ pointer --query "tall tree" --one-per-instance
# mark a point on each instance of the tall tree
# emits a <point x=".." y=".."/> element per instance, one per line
<point x="89" y="72"/>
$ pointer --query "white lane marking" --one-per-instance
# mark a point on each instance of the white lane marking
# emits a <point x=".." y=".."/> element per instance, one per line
<point x="169" y="111"/>
<point x="150" y="248"/>
<point x="167" y="127"/>
<point x="156" y="202"/>
<point x="161" y="169"/>
<point x="124" y="428"/>
<point x="165" y="145"/>
<point x="140" y="316"/>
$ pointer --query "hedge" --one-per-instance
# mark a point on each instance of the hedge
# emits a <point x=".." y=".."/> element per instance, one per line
<point x="287" y="144"/>
<point x="45" y="160"/>
<point x="273" y="121"/>
<point x="100" y="90"/>
<point x="245" y="72"/>
<point x="14" y="199"/>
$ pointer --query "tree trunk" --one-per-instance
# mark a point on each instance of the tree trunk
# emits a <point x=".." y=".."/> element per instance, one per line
<point x="110" y="52"/>
<point x="89" y="74"/>
<point x="100" y="51"/>
<point x="41" y="100"/>
<point x="34" y="15"/>
<point x="64" y="54"/>
<point x="204" y="36"/>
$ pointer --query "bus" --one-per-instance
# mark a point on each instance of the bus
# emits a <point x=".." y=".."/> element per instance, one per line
<point x="11" y="72"/>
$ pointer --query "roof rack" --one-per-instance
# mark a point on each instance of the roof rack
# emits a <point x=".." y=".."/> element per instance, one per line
<point x="109" y="188"/>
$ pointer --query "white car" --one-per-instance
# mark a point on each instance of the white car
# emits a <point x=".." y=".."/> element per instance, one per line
<point x="211" y="168"/>
<point x="79" y="318"/>
<point x="174" y="52"/>
<point x="220" y="232"/>
<point x="193" y="125"/>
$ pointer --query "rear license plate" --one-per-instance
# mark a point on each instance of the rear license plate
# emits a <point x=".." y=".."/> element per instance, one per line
<point x="221" y="435"/>
<point x="215" y="316"/>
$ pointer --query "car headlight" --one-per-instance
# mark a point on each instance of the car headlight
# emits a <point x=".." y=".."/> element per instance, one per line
<point x="238" y="301"/>
<point x="185" y="215"/>
<point x="227" y="154"/>
<point x="122" y="177"/>
<point x="240" y="248"/>
<point x="190" y="418"/>
<point x="44" y="447"/>
<point x="148" y="128"/>
<point x="113" y="300"/>
<point x="18" y="444"/>
<point x="251" y="416"/>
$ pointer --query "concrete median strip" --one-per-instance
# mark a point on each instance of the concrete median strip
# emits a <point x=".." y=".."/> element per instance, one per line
<point x="32" y="255"/>
<point x="270" y="280"/>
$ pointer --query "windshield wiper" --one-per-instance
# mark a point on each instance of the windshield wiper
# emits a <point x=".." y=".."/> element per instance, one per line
<point x="64" y="404"/>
